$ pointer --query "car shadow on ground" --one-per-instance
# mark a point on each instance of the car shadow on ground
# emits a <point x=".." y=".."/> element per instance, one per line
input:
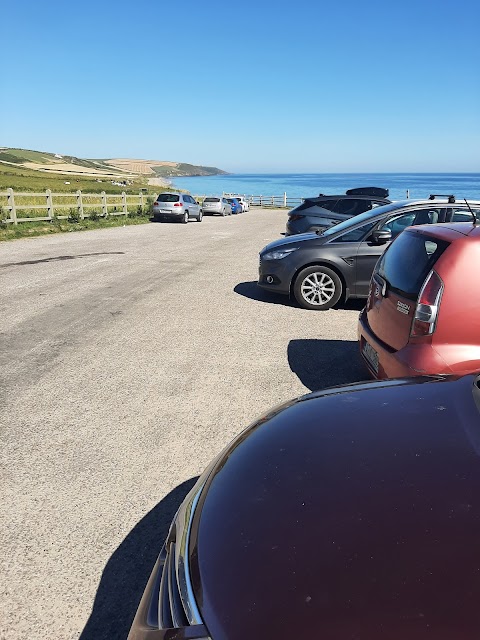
<point x="252" y="290"/>
<point x="326" y="363"/>
<point x="128" y="569"/>
<point x="354" y="304"/>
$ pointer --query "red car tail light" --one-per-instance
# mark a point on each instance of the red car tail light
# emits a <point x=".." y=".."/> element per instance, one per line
<point x="178" y="204"/>
<point x="295" y="217"/>
<point x="155" y="203"/>
<point x="428" y="303"/>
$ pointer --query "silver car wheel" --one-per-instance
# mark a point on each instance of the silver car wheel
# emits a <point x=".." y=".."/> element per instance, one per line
<point x="318" y="288"/>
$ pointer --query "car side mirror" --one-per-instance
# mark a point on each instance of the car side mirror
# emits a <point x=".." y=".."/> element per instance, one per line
<point x="381" y="236"/>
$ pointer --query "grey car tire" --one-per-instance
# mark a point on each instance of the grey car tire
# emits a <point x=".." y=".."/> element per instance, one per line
<point x="200" y="216"/>
<point x="185" y="218"/>
<point x="317" y="288"/>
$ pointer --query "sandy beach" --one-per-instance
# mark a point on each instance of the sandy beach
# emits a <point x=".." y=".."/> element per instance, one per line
<point x="159" y="182"/>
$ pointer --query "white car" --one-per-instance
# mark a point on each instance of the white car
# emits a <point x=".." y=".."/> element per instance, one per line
<point x="244" y="202"/>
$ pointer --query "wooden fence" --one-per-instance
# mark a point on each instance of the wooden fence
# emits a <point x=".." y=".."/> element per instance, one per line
<point x="54" y="205"/>
<point x="48" y="206"/>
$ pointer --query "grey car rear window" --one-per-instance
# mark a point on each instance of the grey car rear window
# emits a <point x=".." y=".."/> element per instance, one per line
<point x="212" y="200"/>
<point x="168" y="197"/>
<point x="408" y="261"/>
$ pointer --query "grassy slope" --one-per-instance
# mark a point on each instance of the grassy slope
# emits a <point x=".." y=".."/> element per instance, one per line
<point x="23" y="179"/>
<point x="41" y="157"/>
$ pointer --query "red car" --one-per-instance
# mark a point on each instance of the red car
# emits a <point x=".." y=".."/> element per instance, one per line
<point x="423" y="310"/>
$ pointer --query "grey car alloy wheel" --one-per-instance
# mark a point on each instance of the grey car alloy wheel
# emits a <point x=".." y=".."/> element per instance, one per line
<point x="317" y="288"/>
<point x="185" y="217"/>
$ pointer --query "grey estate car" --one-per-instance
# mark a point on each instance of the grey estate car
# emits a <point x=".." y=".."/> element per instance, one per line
<point x="176" y="206"/>
<point x="321" y="269"/>
<point x="217" y="204"/>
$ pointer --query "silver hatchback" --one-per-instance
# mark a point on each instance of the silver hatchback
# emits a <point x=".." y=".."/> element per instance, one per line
<point x="216" y="204"/>
<point x="176" y="206"/>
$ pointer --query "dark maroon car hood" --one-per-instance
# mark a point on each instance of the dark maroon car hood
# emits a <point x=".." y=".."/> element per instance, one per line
<point x="352" y="514"/>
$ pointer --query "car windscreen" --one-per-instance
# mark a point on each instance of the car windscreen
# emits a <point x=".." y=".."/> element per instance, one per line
<point x="407" y="262"/>
<point x="168" y="197"/>
<point x="363" y="218"/>
<point x="212" y="200"/>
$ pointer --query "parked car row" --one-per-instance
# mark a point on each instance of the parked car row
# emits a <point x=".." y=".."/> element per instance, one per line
<point x="350" y="512"/>
<point x="182" y="207"/>
<point x="422" y="312"/>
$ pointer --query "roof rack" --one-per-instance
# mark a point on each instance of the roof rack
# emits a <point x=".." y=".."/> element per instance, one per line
<point x="451" y="197"/>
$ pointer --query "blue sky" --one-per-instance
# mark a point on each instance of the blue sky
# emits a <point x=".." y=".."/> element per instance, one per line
<point x="254" y="86"/>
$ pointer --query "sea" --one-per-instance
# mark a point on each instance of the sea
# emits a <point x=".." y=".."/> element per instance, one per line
<point x="303" y="185"/>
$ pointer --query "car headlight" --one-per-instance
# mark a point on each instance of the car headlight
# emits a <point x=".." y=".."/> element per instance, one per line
<point x="278" y="254"/>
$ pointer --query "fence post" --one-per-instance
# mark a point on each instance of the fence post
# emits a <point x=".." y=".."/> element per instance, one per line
<point x="261" y="203"/>
<point x="48" y="193"/>
<point x="80" y="204"/>
<point x="408" y="194"/>
<point x="11" y="204"/>
<point x="104" y="205"/>
<point x="141" y="199"/>
<point x="273" y="201"/>
<point x="285" y="199"/>
<point x="124" y="203"/>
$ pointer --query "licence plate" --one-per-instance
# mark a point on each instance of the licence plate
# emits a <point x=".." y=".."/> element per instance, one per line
<point x="165" y="211"/>
<point x="371" y="356"/>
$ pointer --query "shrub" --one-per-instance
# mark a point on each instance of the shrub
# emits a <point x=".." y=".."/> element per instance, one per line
<point x="138" y="213"/>
<point x="148" y="209"/>
<point x="74" y="215"/>
<point x="94" y="215"/>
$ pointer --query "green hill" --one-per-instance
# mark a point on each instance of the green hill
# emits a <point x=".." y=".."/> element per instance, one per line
<point x="29" y="170"/>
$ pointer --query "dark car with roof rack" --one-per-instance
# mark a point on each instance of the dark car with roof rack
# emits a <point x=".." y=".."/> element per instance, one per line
<point x="321" y="269"/>
<point x="323" y="211"/>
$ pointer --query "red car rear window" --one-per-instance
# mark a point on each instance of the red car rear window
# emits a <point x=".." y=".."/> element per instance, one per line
<point x="408" y="261"/>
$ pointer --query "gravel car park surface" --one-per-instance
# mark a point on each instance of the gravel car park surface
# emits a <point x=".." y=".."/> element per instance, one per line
<point x="129" y="358"/>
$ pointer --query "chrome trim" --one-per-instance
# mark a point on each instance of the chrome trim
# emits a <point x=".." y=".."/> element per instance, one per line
<point x="183" y="527"/>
